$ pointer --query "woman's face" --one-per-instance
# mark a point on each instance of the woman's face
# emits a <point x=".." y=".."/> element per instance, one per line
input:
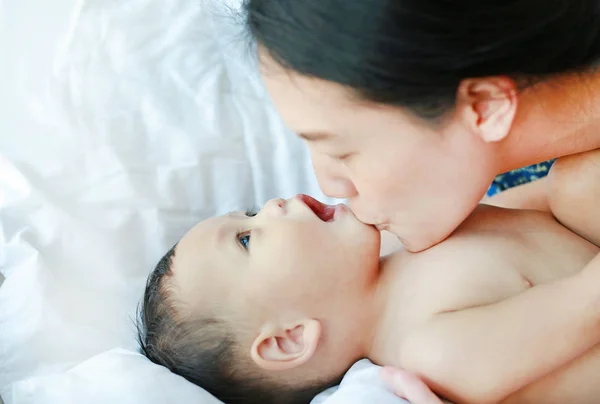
<point x="398" y="172"/>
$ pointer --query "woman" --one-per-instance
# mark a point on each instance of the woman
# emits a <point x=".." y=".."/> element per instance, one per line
<point x="411" y="108"/>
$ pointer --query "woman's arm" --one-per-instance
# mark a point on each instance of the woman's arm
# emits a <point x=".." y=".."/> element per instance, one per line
<point x="574" y="194"/>
<point x="576" y="382"/>
<point x="532" y="195"/>
<point x="571" y="192"/>
<point x="483" y="354"/>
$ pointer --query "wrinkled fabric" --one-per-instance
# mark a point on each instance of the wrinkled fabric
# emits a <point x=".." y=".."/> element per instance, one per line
<point x="151" y="118"/>
<point x="520" y="176"/>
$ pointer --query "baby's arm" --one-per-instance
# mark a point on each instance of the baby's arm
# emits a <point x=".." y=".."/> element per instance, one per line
<point x="483" y="354"/>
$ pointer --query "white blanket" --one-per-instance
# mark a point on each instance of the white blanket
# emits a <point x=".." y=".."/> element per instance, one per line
<point x="152" y="118"/>
<point x="122" y="376"/>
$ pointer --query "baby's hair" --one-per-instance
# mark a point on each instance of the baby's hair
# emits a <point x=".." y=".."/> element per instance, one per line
<point x="203" y="350"/>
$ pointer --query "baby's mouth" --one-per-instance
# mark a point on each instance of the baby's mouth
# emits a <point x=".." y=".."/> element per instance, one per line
<point x="326" y="213"/>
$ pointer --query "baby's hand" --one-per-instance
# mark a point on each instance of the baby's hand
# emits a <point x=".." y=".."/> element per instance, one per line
<point x="407" y="385"/>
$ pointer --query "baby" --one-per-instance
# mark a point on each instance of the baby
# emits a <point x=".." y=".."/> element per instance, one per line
<point x="274" y="307"/>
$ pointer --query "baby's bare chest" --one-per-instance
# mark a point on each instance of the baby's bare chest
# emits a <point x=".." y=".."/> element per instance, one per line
<point x="487" y="264"/>
<point x="531" y="245"/>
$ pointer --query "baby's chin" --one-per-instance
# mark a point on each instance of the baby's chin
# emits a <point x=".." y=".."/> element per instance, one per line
<point x="368" y="239"/>
<point x="366" y="255"/>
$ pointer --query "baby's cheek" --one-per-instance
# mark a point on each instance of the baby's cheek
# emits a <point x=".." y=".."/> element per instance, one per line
<point x="271" y="277"/>
<point x="258" y="300"/>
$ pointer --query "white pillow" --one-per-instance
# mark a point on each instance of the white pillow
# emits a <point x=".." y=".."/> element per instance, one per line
<point x="116" y="376"/>
<point x="152" y="119"/>
<point x="121" y="376"/>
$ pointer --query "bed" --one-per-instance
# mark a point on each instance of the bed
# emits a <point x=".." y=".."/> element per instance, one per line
<point x="122" y="124"/>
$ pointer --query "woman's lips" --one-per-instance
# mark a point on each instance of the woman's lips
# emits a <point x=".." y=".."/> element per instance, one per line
<point x="382" y="227"/>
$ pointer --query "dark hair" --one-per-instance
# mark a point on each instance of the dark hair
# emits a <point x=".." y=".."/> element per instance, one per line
<point x="203" y="350"/>
<point x="415" y="53"/>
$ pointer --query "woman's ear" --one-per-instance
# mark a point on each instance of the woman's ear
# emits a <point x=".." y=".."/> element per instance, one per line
<point x="488" y="106"/>
<point x="284" y="348"/>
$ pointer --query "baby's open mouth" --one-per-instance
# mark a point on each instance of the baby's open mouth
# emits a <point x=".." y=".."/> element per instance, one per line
<point x="326" y="213"/>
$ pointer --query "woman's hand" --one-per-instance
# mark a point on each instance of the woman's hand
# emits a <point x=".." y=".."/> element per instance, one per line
<point x="407" y="385"/>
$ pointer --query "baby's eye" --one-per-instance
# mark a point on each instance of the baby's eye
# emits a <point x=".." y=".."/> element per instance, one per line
<point x="251" y="212"/>
<point x="244" y="239"/>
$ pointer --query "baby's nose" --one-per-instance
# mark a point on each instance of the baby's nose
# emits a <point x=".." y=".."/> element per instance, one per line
<point x="275" y="206"/>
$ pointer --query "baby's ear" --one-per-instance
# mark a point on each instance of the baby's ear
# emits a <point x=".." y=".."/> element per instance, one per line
<point x="283" y="348"/>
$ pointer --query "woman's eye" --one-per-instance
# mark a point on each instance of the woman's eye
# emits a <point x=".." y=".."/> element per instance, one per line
<point x="342" y="157"/>
<point x="244" y="239"/>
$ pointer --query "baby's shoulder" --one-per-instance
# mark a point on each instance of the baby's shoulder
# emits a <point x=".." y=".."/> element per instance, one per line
<point x="486" y="260"/>
<point x="466" y="272"/>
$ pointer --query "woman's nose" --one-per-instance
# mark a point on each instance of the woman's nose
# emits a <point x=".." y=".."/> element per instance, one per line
<point x="333" y="182"/>
<point x="337" y="188"/>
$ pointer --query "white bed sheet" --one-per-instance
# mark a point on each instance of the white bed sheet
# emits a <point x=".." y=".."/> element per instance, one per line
<point x="152" y="118"/>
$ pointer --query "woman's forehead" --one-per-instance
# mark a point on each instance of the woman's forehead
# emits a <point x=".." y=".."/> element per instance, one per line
<point x="305" y="103"/>
<point x="314" y="106"/>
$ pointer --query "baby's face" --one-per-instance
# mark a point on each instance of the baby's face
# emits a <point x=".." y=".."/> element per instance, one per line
<point x="294" y="258"/>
